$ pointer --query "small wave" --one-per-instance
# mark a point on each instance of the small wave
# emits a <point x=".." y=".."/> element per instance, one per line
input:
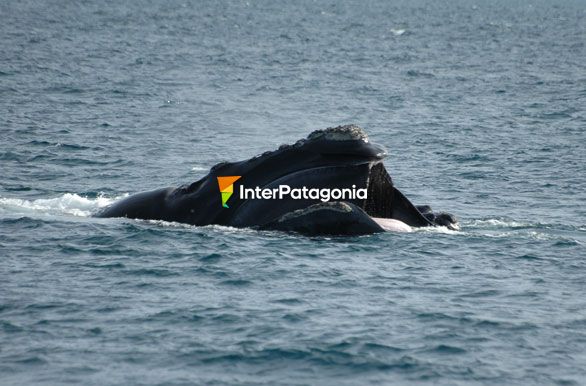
<point x="447" y="349"/>
<point x="58" y="144"/>
<point x="68" y="203"/>
<point x="420" y="74"/>
<point x="156" y="272"/>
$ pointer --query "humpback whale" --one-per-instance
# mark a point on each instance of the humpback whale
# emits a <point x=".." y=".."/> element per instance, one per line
<point x="333" y="182"/>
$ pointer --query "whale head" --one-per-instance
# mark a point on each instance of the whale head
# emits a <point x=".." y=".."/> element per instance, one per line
<point x="341" y="158"/>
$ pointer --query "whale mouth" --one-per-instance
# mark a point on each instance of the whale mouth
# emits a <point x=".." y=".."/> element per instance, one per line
<point x="387" y="202"/>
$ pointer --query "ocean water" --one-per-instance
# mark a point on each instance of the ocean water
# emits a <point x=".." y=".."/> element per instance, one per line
<point x="482" y="109"/>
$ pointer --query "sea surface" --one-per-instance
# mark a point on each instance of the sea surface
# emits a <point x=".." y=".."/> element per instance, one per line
<point x="481" y="106"/>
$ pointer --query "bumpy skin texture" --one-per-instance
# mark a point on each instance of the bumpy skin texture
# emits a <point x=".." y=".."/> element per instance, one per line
<point x="333" y="158"/>
<point x="337" y="218"/>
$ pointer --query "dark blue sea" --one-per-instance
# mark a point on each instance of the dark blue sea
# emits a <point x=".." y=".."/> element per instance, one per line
<point x="480" y="105"/>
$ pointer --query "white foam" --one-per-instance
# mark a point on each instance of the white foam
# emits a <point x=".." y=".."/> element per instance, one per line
<point x="68" y="204"/>
<point x="524" y="235"/>
<point x="214" y="227"/>
<point x="500" y="223"/>
<point x="439" y="229"/>
<point x="167" y="224"/>
<point x="199" y="168"/>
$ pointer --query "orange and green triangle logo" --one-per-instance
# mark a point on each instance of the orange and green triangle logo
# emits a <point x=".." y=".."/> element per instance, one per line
<point x="226" y="184"/>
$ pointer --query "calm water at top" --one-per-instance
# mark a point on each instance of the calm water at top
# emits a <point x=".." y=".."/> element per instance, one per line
<point x="482" y="108"/>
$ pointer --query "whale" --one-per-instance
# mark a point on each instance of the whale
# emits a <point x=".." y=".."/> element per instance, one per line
<point x="333" y="182"/>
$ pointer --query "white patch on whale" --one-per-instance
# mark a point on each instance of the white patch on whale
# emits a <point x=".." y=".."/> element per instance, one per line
<point x="392" y="225"/>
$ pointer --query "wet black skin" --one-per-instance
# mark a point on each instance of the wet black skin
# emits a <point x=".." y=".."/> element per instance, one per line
<point x="316" y="163"/>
